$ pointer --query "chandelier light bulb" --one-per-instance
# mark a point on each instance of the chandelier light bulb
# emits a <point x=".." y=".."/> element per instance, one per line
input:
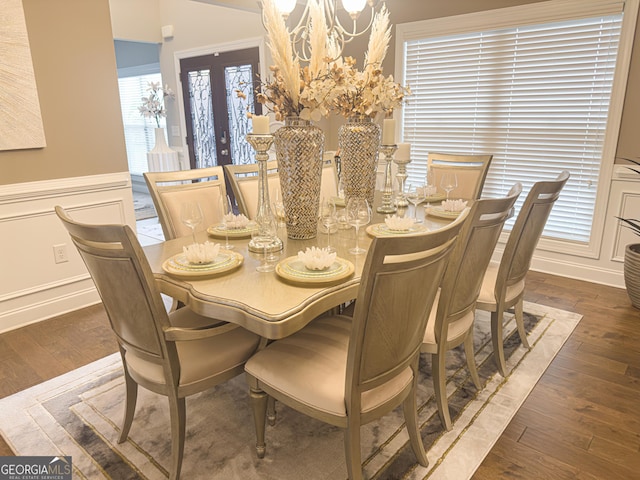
<point x="285" y="6"/>
<point x="354" y="7"/>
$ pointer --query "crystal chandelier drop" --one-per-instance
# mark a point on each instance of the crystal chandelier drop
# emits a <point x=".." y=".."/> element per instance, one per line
<point x="339" y="35"/>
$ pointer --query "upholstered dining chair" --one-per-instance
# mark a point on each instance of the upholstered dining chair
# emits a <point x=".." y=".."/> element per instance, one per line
<point x="471" y="172"/>
<point x="169" y="189"/>
<point x="504" y="281"/>
<point x="452" y="315"/>
<point x="350" y="371"/>
<point x="173" y="355"/>
<point x="244" y="183"/>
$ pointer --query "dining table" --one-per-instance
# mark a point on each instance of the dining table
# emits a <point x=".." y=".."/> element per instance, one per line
<point x="271" y="304"/>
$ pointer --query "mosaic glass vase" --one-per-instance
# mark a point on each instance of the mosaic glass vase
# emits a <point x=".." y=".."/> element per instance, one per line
<point x="299" y="149"/>
<point x="359" y="142"/>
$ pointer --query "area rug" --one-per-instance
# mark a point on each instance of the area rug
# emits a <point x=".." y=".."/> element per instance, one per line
<point x="78" y="414"/>
<point x="143" y="207"/>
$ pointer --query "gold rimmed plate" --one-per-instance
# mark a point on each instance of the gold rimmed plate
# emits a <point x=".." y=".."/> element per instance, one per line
<point x="438" y="197"/>
<point x="383" y="230"/>
<point x="442" y="213"/>
<point x="219" y="231"/>
<point x="225" y="261"/>
<point x="293" y="270"/>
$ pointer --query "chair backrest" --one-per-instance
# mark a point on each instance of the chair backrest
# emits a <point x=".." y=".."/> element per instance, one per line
<point x="244" y="183"/>
<point x="527" y="230"/>
<point x="471" y="171"/>
<point x="470" y="258"/>
<point x="399" y="283"/>
<point x="126" y="286"/>
<point x="170" y="189"/>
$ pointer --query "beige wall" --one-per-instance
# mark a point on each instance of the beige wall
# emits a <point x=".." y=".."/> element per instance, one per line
<point x="75" y="69"/>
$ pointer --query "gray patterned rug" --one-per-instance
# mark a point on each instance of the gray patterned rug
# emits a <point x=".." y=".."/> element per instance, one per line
<point x="79" y="414"/>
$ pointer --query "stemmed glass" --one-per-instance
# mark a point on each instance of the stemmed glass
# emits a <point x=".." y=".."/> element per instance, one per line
<point x="191" y="216"/>
<point x="358" y="214"/>
<point x="415" y="195"/>
<point x="225" y="208"/>
<point x="270" y="227"/>
<point x="328" y="219"/>
<point x="278" y="208"/>
<point x="430" y="188"/>
<point x="448" y="182"/>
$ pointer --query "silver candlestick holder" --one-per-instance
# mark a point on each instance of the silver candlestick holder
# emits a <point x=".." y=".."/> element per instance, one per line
<point x="387" y="193"/>
<point x="266" y="239"/>
<point x="401" y="176"/>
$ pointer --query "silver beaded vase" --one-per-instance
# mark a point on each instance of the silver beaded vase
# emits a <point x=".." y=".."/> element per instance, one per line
<point x="359" y="142"/>
<point x="299" y="149"/>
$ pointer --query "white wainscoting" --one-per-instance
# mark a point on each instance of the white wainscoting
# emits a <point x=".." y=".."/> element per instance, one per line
<point x="32" y="286"/>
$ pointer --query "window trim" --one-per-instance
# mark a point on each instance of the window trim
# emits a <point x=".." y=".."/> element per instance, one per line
<point x="541" y="12"/>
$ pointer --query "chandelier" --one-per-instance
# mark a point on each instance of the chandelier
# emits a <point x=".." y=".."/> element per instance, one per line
<point x="339" y="35"/>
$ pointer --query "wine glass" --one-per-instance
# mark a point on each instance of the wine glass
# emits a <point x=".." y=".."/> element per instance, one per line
<point x="278" y="208"/>
<point x="358" y="214"/>
<point x="269" y="227"/>
<point x="415" y="195"/>
<point x="191" y="216"/>
<point x="448" y="182"/>
<point x="328" y="219"/>
<point x="225" y="208"/>
<point x="430" y="188"/>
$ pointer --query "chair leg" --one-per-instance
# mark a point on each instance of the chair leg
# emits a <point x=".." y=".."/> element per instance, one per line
<point x="271" y="411"/>
<point x="131" y="396"/>
<point x="471" y="362"/>
<point x="519" y="308"/>
<point x="259" y="400"/>
<point x="440" y="386"/>
<point x="352" y="450"/>
<point x="410" y="409"/>
<point x="177" y="414"/>
<point x="496" y="340"/>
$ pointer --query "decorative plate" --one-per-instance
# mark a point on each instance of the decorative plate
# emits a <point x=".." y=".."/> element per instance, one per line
<point x="441" y="213"/>
<point x="338" y="201"/>
<point x="438" y="197"/>
<point x="383" y="230"/>
<point x="225" y="261"/>
<point x="219" y="231"/>
<point x="294" y="270"/>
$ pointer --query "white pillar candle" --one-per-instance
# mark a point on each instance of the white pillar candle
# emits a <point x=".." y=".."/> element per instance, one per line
<point x="260" y="124"/>
<point x="404" y="151"/>
<point x="389" y="131"/>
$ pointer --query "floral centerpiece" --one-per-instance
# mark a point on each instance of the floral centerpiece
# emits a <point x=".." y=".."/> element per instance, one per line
<point x="153" y="105"/>
<point x="295" y="90"/>
<point x="367" y="92"/>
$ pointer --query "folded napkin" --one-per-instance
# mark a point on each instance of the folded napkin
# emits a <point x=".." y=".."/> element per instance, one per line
<point x="453" y="205"/>
<point x="233" y="221"/>
<point x="315" y="258"/>
<point x="200" y="253"/>
<point x="397" y="223"/>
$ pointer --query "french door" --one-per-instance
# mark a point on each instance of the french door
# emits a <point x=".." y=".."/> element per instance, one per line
<point x="216" y="117"/>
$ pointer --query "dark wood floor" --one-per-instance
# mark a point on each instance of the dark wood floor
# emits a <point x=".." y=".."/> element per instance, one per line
<point x="581" y="421"/>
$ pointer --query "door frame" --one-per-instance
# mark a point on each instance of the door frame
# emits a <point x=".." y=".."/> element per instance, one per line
<point x="210" y="50"/>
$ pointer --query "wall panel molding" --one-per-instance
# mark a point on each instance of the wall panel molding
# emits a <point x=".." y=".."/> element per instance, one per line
<point x="33" y="286"/>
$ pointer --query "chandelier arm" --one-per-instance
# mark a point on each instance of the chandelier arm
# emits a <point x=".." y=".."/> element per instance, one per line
<point x="351" y="35"/>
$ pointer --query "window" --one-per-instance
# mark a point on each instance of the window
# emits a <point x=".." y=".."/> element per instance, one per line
<point x="534" y="92"/>
<point x="139" y="133"/>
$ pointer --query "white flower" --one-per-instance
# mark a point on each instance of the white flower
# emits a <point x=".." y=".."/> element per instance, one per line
<point x="153" y="105"/>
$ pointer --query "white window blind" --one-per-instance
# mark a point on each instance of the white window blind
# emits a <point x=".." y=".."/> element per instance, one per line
<point x="139" y="133"/>
<point x="535" y="96"/>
